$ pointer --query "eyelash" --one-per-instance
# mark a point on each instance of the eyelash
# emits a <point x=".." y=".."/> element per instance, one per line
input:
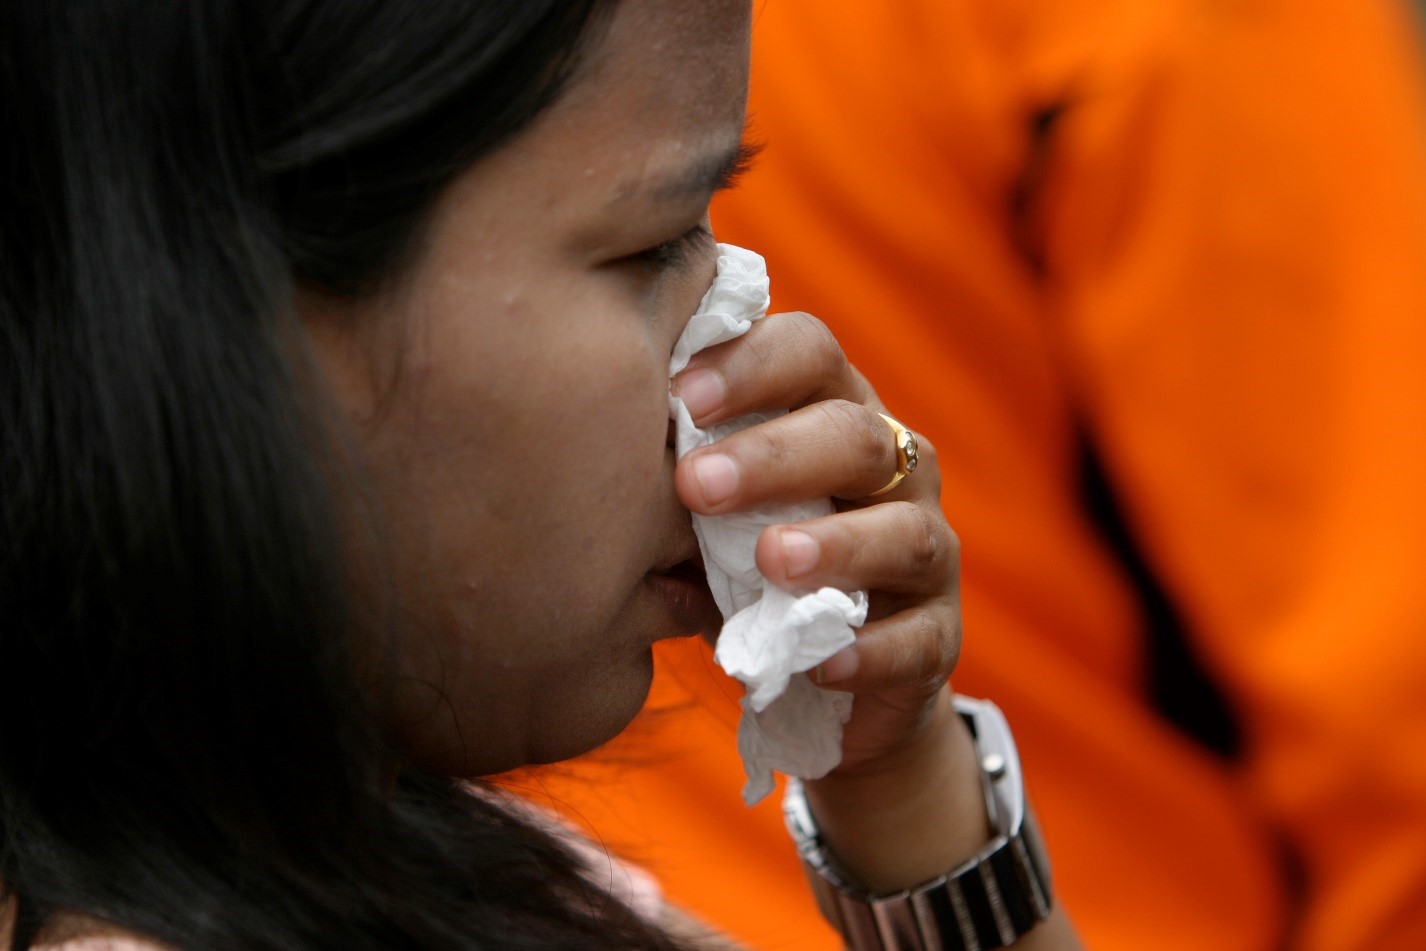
<point x="675" y="253"/>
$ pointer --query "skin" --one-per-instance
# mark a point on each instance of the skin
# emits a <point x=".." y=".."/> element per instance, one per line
<point x="517" y="443"/>
<point x="507" y="395"/>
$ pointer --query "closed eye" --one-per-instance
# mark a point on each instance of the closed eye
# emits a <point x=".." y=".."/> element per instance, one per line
<point x="676" y="252"/>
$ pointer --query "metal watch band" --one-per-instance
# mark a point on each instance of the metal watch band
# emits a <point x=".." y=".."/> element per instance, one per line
<point x="987" y="902"/>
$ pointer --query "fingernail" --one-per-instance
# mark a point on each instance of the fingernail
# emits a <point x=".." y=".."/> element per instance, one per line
<point x="702" y="391"/>
<point x="717" y="478"/>
<point x="839" y="666"/>
<point x="799" y="552"/>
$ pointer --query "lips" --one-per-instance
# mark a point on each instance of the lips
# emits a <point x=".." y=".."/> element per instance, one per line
<point x="682" y="586"/>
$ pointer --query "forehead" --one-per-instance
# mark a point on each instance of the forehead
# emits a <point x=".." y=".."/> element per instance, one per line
<point x="663" y="87"/>
<point x="668" y="37"/>
<point x="656" y="103"/>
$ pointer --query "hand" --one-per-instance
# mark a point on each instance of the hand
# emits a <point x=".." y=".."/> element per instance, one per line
<point x="897" y="546"/>
<point x="905" y="805"/>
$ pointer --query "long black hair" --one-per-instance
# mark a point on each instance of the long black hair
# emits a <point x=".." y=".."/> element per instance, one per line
<point x="185" y="750"/>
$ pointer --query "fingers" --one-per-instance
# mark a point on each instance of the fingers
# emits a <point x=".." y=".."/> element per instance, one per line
<point x="915" y="649"/>
<point x="832" y="448"/>
<point x="784" y="361"/>
<point x="904" y="552"/>
<point x="833" y="443"/>
<point x="898" y="547"/>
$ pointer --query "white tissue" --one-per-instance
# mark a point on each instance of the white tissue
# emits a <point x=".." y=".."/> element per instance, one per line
<point x="770" y="637"/>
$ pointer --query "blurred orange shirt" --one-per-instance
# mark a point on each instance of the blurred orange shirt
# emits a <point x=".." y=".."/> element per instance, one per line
<point x="1186" y="240"/>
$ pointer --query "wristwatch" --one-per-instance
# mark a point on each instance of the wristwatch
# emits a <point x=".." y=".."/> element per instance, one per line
<point x="987" y="902"/>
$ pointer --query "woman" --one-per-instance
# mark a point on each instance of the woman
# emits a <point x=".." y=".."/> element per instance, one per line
<point x="336" y="465"/>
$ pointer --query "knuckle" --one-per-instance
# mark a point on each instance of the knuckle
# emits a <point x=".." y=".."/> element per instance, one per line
<point x="927" y="537"/>
<point x="817" y="335"/>
<point x="816" y="339"/>
<point x="905" y="661"/>
<point x="772" y="446"/>
<point x="932" y="650"/>
<point x="855" y="427"/>
<point x="921" y="650"/>
<point x="763" y="349"/>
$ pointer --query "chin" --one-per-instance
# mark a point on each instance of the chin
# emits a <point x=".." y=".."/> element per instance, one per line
<point x="603" y="712"/>
<point x="567" y="722"/>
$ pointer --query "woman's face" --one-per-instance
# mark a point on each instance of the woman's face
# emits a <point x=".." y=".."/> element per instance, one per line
<point x="510" y="396"/>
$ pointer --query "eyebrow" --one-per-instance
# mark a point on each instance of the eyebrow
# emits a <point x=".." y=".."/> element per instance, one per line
<point x="714" y="174"/>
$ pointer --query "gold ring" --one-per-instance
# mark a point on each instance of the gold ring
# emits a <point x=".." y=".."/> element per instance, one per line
<point x="906" y="459"/>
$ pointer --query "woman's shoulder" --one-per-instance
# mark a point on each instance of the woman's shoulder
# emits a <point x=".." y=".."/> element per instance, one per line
<point x="627" y="882"/>
<point x="71" y="932"/>
<point x="101" y="944"/>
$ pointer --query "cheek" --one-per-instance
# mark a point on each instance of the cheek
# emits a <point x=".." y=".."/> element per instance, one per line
<point x="612" y="414"/>
<point x="536" y="446"/>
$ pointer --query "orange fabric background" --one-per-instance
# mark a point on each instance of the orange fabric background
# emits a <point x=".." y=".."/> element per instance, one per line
<point x="1214" y="269"/>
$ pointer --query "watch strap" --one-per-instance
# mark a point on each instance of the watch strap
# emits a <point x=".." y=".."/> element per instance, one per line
<point x="986" y="902"/>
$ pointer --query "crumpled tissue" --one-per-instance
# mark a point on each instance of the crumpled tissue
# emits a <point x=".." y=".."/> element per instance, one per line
<point x="770" y="637"/>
